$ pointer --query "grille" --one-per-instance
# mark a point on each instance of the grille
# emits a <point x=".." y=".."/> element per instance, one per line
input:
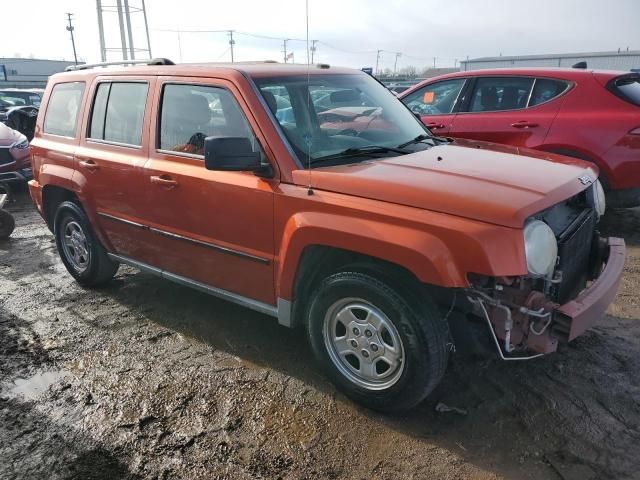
<point x="5" y="157"/>
<point x="574" y="250"/>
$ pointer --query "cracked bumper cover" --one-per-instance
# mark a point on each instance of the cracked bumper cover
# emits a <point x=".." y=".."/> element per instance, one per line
<point x="581" y="313"/>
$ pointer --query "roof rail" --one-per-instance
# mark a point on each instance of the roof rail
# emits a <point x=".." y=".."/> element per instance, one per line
<point x="149" y="61"/>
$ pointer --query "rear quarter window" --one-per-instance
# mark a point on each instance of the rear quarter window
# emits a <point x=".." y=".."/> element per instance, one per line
<point x="61" y="117"/>
<point x="627" y="88"/>
<point x="546" y="89"/>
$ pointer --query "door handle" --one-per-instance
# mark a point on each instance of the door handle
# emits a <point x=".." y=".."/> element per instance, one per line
<point x="524" y="124"/>
<point x="164" y="180"/>
<point x="434" y="125"/>
<point x="89" y="164"/>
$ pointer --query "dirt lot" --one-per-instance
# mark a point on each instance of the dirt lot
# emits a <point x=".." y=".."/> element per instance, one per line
<point x="146" y="379"/>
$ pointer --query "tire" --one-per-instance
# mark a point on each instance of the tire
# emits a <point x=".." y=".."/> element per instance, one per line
<point x="81" y="252"/>
<point x="6" y="189"/>
<point x="410" y="339"/>
<point x="7" y="224"/>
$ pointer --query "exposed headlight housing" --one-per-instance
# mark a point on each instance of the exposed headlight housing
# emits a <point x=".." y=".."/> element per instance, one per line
<point x="599" y="200"/>
<point x="540" y="247"/>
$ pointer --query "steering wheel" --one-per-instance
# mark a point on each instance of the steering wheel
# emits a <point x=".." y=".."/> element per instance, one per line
<point x="349" y="131"/>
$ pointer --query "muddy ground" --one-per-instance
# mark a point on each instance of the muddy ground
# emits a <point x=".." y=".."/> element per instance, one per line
<point x="147" y="379"/>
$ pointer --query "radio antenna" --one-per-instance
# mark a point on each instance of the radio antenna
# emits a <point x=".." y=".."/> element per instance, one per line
<point x="309" y="134"/>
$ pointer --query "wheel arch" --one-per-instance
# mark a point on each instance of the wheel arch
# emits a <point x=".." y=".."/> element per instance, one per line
<point x="52" y="197"/>
<point x="576" y="152"/>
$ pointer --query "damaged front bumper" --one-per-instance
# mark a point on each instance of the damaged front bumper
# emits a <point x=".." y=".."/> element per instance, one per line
<point x="530" y="326"/>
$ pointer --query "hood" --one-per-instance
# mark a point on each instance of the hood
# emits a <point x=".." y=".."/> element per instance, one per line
<point x="492" y="183"/>
<point x="9" y="136"/>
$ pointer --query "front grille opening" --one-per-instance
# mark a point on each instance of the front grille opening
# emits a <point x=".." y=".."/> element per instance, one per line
<point x="574" y="252"/>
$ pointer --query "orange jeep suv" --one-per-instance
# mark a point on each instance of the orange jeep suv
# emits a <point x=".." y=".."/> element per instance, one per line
<point x="311" y="194"/>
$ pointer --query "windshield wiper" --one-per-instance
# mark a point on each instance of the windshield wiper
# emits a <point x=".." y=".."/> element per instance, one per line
<point x="359" y="151"/>
<point x="422" y="137"/>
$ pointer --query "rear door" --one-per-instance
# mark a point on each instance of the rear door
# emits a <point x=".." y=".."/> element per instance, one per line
<point x="436" y="103"/>
<point x="512" y="110"/>
<point x="213" y="227"/>
<point x="112" y="152"/>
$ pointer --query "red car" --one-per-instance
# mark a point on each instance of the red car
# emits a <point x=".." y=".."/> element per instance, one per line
<point x="587" y="114"/>
<point x="15" y="163"/>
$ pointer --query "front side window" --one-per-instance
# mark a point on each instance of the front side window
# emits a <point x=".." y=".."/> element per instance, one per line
<point x="333" y="114"/>
<point x="500" y="93"/>
<point x="118" y="112"/>
<point x="435" y="99"/>
<point x="61" y="116"/>
<point x="190" y="113"/>
<point x="547" y="89"/>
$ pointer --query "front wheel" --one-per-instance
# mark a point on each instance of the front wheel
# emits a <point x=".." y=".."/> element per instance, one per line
<point x="383" y="350"/>
<point x="81" y="252"/>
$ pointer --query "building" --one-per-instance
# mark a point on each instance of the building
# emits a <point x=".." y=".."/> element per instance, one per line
<point x="28" y="72"/>
<point x="620" y="60"/>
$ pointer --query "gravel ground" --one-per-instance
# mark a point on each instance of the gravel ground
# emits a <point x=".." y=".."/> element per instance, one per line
<point x="147" y="379"/>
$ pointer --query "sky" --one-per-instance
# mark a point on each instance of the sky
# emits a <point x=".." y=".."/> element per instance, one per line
<point x="349" y="32"/>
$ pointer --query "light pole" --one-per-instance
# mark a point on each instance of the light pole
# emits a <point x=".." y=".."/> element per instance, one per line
<point x="395" y="64"/>
<point x="378" y="61"/>
<point x="284" y="49"/>
<point x="313" y="49"/>
<point x="73" y="42"/>
<point x="232" y="42"/>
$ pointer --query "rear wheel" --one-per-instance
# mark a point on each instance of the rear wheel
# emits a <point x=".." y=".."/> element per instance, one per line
<point x="81" y="252"/>
<point x="382" y="349"/>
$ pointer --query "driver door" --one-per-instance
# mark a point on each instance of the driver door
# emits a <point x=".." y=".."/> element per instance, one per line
<point x="435" y="103"/>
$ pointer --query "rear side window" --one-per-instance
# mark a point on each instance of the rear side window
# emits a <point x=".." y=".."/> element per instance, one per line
<point x="190" y="113"/>
<point x="546" y="89"/>
<point x="500" y="93"/>
<point x="628" y="88"/>
<point x="435" y="99"/>
<point x="118" y="112"/>
<point x="61" y="116"/>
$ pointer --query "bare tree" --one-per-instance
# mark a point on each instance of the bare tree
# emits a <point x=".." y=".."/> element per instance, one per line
<point x="409" y="71"/>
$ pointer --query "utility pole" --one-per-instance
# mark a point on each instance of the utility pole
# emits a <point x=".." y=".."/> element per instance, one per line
<point x="146" y="28"/>
<point x="313" y="49"/>
<point x="127" y="17"/>
<point x="73" y="42"/>
<point x="123" y="37"/>
<point x="284" y="49"/>
<point x="434" y="62"/>
<point x="378" y="62"/>
<point x="231" y="43"/>
<point x="395" y="64"/>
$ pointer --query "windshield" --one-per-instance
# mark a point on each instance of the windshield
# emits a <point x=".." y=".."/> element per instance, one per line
<point x="15" y="98"/>
<point x="327" y="114"/>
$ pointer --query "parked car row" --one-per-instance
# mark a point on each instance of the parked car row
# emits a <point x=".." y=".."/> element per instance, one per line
<point x="316" y="197"/>
<point x="18" y="113"/>
<point x="586" y="114"/>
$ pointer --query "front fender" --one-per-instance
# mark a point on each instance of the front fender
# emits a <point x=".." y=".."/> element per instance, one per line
<point x="422" y="253"/>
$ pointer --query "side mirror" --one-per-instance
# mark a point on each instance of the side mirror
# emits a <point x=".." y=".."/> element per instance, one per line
<point x="230" y="154"/>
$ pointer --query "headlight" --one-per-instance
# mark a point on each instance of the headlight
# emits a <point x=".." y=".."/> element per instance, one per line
<point x="598" y="198"/>
<point x="540" y="247"/>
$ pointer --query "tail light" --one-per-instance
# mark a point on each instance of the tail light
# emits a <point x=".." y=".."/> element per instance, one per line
<point x="635" y="131"/>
